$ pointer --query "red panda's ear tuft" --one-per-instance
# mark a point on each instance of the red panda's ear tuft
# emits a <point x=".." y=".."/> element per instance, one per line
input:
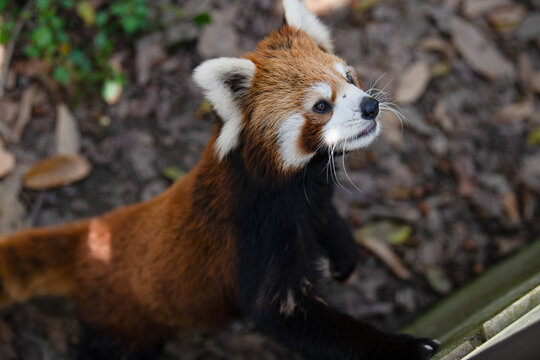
<point x="298" y="16"/>
<point x="225" y="81"/>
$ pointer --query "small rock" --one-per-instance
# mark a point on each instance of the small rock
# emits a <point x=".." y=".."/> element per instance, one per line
<point x="181" y="33"/>
<point x="535" y="82"/>
<point x="153" y="189"/>
<point x="529" y="173"/>
<point x="487" y="205"/>
<point x="142" y="155"/>
<point x="149" y="52"/>
<point x="530" y="27"/>
<point x="465" y="170"/>
<point x="415" y="119"/>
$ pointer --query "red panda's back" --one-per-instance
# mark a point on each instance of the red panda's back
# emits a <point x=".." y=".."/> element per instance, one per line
<point x="156" y="266"/>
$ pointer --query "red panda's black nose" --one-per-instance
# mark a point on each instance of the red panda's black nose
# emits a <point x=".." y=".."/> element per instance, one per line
<point x="369" y="107"/>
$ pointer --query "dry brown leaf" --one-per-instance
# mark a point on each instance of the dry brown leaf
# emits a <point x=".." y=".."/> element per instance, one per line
<point x="465" y="170"/>
<point x="32" y="68"/>
<point x="149" y="52"/>
<point x="385" y="253"/>
<point x="7" y="161"/>
<point x="12" y="212"/>
<point x="9" y="111"/>
<point x="510" y="206"/>
<point x="25" y="113"/>
<point x="474" y="8"/>
<point x="68" y="138"/>
<point x="440" y="114"/>
<point x="393" y="130"/>
<point x="436" y="44"/>
<point x="57" y="170"/>
<point x="479" y="53"/>
<point x="321" y="7"/>
<point x="412" y="83"/>
<point x="507" y="17"/>
<point x="525" y="70"/>
<point x="515" y="112"/>
<point x="535" y="82"/>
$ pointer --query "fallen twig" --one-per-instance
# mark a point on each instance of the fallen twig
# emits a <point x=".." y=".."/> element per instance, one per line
<point x="11" y="47"/>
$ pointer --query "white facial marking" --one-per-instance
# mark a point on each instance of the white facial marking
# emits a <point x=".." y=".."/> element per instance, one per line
<point x="211" y="76"/>
<point x="324" y="89"/>
<point x="345" y="128"/>
<point x="288" y="136"/>
<point x="298" y="16"/>
<point x="342" y="69"/>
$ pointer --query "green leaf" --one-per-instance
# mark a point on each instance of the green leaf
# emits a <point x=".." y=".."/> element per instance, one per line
<point x="62" y="37"/>
<point x="61" y="74"/>
<point x="42" y="36"/>
<point x="26" y="15"/>
<point x="3" y="4"/>
<point x="111" y="91"/>
<point x="80" y="60"/>
<point x="43" y="4"/>
<point x="86" y="12"/>
<point x="118" y="9"/>
<point x="202" y="19"/>
<point x="5" y="31"/>
<point x="130" y="24"/>
<point x="101" y="40"/>
<point x="56" y="22"/>
<point x="400" y="235"/>
<point x="533" y="139"/>
<point x="101" y="18"/>
<point x="67" y="4"/>
<point x="173" y="173"/>
<point x="32" y="52"/>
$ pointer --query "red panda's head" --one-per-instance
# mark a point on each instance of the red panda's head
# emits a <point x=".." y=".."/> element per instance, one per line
<point x="289" y="99"/>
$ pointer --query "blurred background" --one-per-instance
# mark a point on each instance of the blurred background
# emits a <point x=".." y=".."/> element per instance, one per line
<point x="98" y="110"/>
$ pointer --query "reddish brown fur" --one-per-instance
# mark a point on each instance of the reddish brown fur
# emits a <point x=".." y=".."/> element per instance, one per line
<point x="144" y="269"/>
<point x="288" y="62"/>
<point x="152" y="266"/>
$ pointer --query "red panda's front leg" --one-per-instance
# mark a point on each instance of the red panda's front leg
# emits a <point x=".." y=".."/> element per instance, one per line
<point x="334" y="235"/>
<point x="286" y="306"/>
<point x="302" y="321"/>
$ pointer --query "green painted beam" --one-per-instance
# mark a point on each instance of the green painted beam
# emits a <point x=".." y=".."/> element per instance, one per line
<point x="459" y="318"/>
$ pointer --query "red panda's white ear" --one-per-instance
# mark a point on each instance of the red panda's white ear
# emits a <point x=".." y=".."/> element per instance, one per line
<point x="298" y="16"/>
<point x="224" y="81"/>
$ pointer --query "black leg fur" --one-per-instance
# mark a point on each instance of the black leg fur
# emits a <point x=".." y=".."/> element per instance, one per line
<point x="334" y="235"/>
<point x="280" y="226"/>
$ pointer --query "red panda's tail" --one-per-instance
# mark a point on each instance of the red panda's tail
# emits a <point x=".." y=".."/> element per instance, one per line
<point x="39" y="262"/>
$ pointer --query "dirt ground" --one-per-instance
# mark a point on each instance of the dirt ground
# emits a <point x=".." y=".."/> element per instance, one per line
<point x="450" y="193"/>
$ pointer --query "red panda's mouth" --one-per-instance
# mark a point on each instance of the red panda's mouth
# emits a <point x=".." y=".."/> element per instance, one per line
<point x="371" y="128"/>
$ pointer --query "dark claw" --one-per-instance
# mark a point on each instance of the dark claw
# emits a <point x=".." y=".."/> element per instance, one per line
<point x="428" y="348"/>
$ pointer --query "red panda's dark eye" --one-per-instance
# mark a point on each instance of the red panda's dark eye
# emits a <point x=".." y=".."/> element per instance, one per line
<point x="350" y="79"/>
<point x="322" y="107"/>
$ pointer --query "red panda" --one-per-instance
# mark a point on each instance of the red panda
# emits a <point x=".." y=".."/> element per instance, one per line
<point x="240" y="236"/>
